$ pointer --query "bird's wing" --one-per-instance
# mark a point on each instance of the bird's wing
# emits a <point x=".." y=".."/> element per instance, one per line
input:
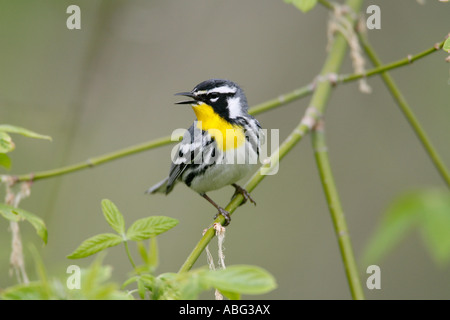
<point x="191" y="152"/>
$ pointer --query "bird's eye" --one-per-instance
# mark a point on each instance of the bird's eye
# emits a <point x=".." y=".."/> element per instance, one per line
<point x="213" y="97"/>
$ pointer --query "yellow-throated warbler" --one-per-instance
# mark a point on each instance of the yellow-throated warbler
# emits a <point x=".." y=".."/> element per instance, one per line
<point x="220" y="147"/>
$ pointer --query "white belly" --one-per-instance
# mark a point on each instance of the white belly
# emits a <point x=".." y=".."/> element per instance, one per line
<point x="227" y="171"/>
<point x="219" y="176"/>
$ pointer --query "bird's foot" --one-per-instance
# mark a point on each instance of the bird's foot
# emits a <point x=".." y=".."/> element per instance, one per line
<point x="245" y="194"/>
<point x="225" y="214"/>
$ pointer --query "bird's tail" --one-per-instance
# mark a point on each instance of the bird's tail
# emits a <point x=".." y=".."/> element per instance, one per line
<point x="159" y="187"/>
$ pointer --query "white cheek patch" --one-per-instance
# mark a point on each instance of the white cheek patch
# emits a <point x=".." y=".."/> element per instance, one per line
<point x="234" y="107"/>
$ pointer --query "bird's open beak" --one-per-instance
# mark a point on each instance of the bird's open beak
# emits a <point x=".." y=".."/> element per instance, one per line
<point x="186" y="94"/>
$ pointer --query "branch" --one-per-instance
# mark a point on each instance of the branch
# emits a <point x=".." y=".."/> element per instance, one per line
<point x="260" y="108"/>
<point x="381" y="69"/>
<point x="335" y="207"/>
<point x="92" y="162"/>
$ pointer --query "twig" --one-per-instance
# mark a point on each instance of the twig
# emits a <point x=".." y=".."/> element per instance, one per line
<point x="381" y="69"/>
<point x="92" y="162"/>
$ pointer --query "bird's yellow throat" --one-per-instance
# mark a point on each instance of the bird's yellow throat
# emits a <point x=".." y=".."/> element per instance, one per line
<point x="227" y="135"/>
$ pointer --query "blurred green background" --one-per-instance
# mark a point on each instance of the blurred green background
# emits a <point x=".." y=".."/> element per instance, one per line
<point x="111" y="84"/>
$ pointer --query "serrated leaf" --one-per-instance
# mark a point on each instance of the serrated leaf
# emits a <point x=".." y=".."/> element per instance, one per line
<point x="446" y="46"/>
<point x="6" y="144"/>
<point x="95" y="244"/>
<point x="113" y="216"/>
<point x="5" y="161"/>
<point x="25" y="132"/>
<point x="243" y="279"/>
<point x="16" y="214"/>
<point x="303" y="5"/>
<point x="149" y="227"/>
<point x="428" y="211"/>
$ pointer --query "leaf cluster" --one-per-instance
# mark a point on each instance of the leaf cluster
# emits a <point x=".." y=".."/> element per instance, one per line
<point x="232" y="282"/>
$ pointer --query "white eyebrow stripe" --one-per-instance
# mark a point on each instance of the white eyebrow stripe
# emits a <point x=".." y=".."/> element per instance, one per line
<point x="200" y="92"/>
<point x="223" y="89"/>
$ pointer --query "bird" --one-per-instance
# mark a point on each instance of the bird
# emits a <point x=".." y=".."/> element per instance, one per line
<point x="220" y="147"/>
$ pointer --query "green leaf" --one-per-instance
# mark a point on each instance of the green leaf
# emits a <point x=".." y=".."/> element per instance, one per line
<point x="25" y="291"/>
<point x="303" y="5"/>
<point x="5" y="161"/>
<point x="6" y="144"/>
<point x="7" y="212"/>
<point x="94" y="285"/>
<point x="147" y="279"/>
<point x="143" y="252"/>
<point x="113" y="216"/>
<point x="95" y="244"/>
<point x="150" y="227"/>
<point x="446" y="46"/>
<point x="427" y="210"/>
<point x="240" y="279"/>
<point x="16" y="214"/>
<point x="141" y="289"/>
<point x="231" y="295"/>
<point x="189" y="286"/>
<point x="434" y="224"/>
<point x="150" y="256"/>
<point x="167" y="286"/>
<point x="23" y="131"/>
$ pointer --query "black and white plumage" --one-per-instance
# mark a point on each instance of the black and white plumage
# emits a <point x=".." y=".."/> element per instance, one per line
<point x="221" y="146"/>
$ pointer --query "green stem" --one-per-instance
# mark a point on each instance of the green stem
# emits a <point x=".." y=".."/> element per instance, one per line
<point x="337" y="214"/>
<point x="381" y="69"/>
<point x="92" y="162"/>
<point x="130" y="258"/>
<point x="406" y="109"/>
<point x="283" y="99"/>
